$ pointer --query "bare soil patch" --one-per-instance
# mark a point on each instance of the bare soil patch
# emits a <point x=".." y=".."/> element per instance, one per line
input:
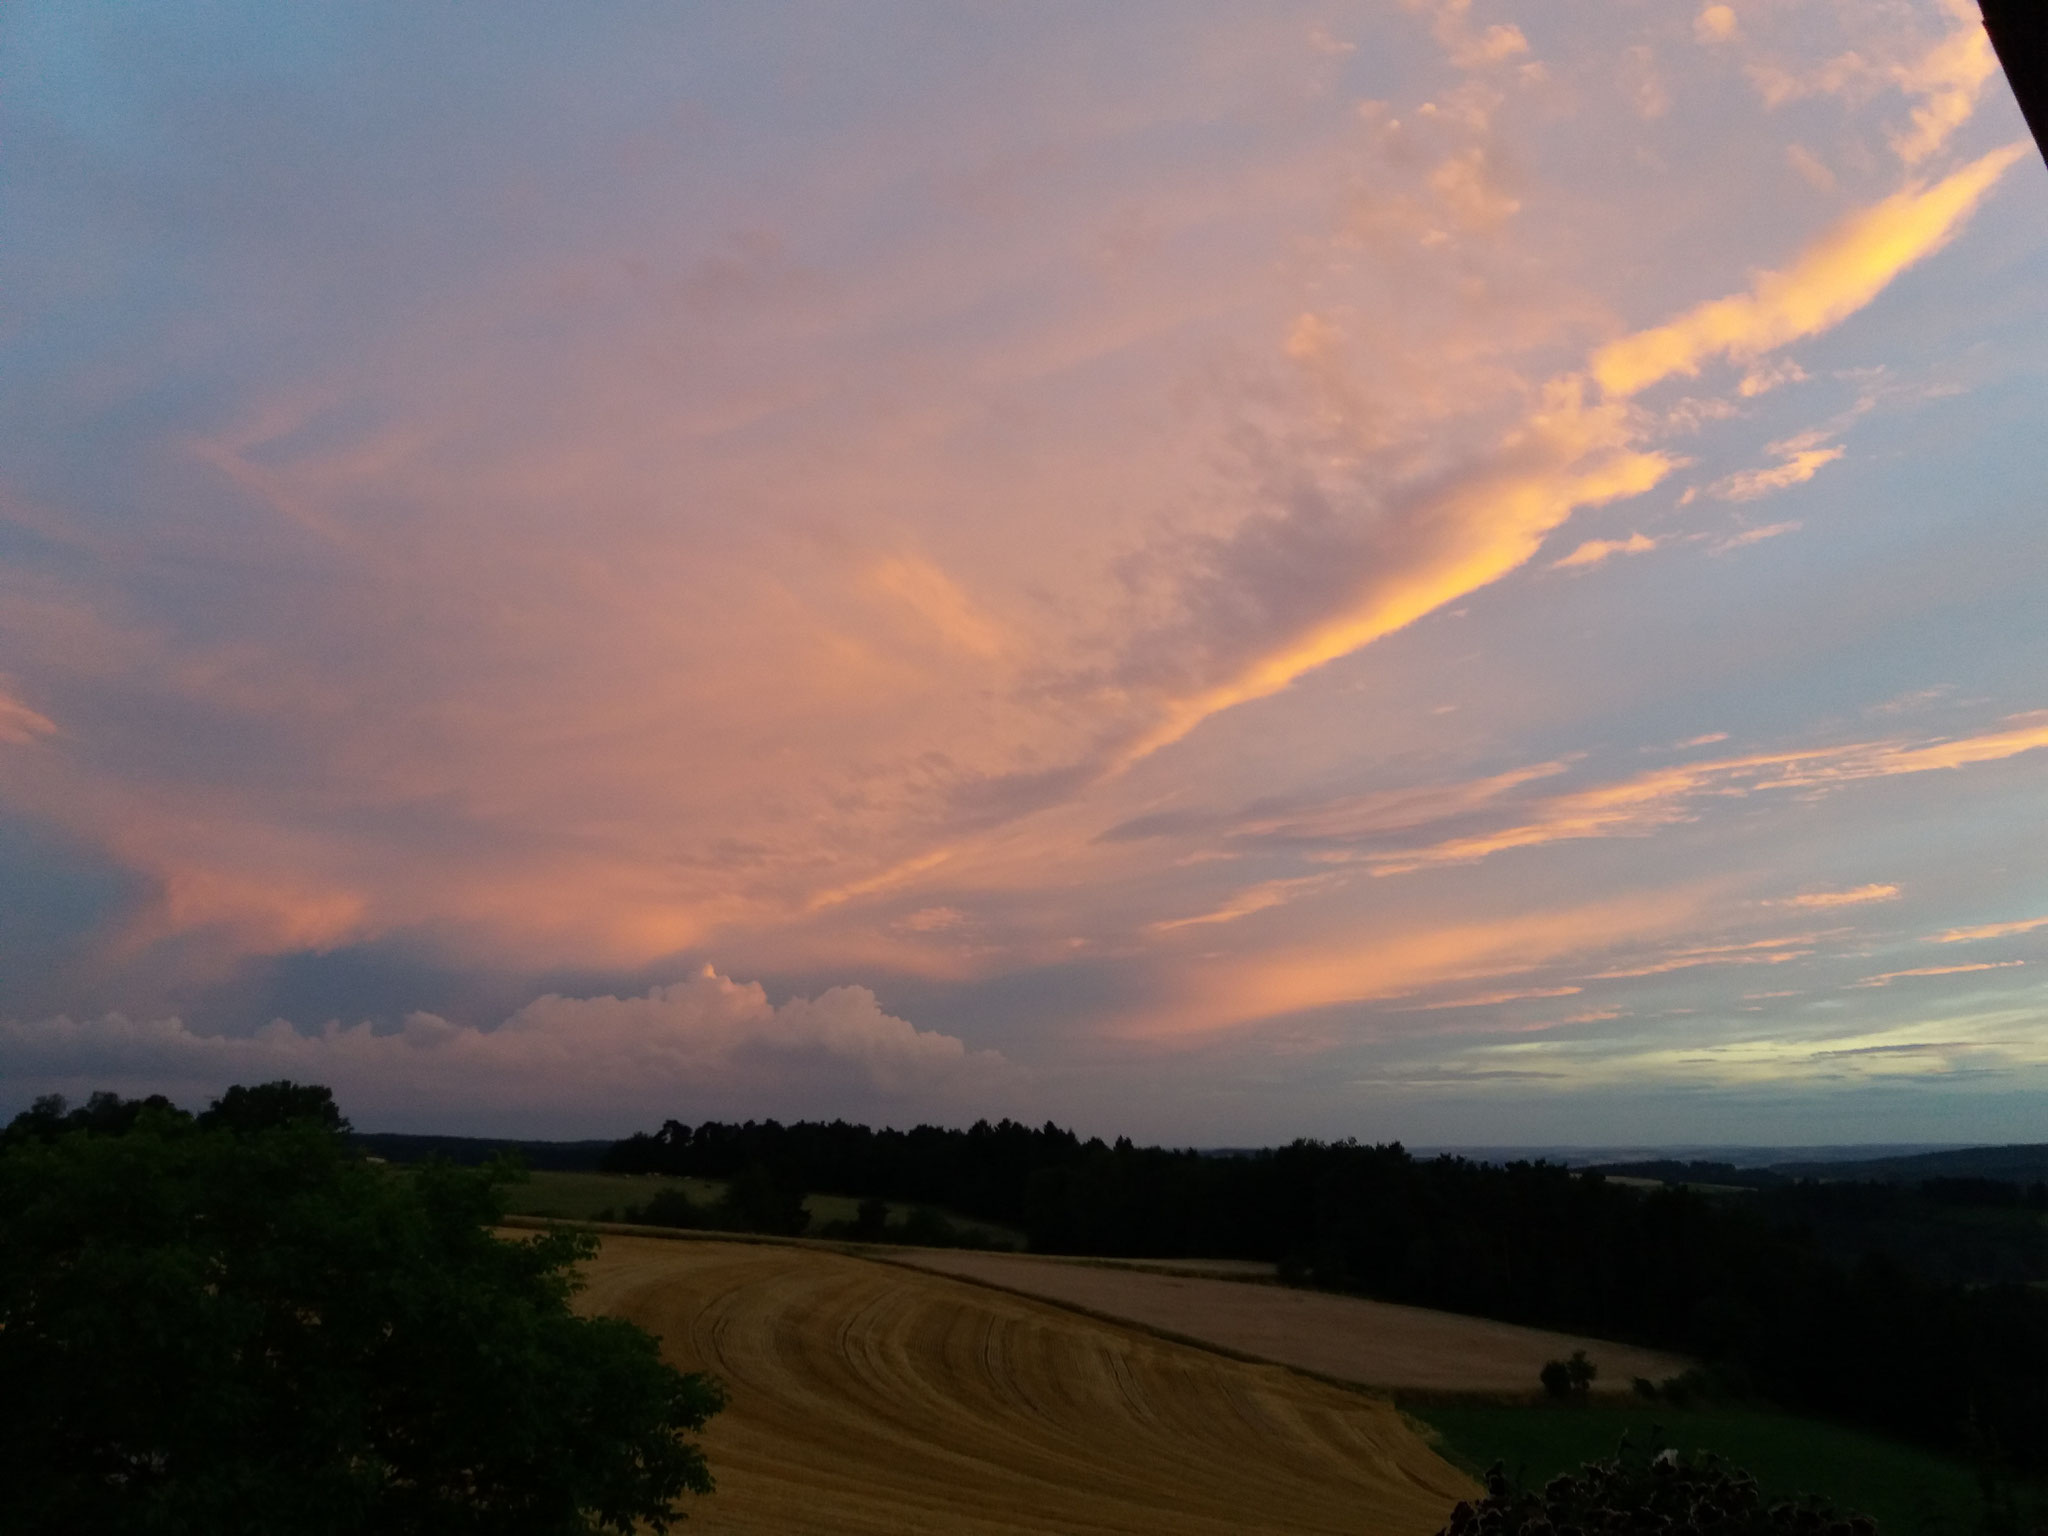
<point x="871" y="1398"/>
<point x="1371" y="1342"/>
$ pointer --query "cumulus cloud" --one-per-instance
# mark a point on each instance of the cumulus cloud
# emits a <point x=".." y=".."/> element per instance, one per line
<point x="704" y="1045"/>
<point x="1469" y="45"/>
<point x="1715" y="24"/>
<point x="1941" y="78"/>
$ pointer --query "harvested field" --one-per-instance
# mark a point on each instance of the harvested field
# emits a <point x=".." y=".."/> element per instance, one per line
<point x="870" y="1398"/>
<point x="1373" y="1342"/>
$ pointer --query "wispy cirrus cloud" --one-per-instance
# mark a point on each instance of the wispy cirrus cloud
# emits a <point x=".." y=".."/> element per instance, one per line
<point x="19" y="724"/>
<point x="1886" y="978"/>
<point x="1801" y="458"/>
<point x="1594" y="551"/>
<point x="1855" y="896"/>
<point x="1989" y="931"/>
<point x="1743" y="538"/>
<point x="1568" y="454"/>
<point x="1644" y="803"/>
<point x="1832" y="279"/>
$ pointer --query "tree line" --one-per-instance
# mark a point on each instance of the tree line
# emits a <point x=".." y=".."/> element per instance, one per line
<point x="1746" y="1283"/>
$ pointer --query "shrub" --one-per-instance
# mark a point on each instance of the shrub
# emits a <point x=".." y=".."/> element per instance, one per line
<point x="1638" y="1492"/>
<point x="1569" y="1379"/>
<point x="668" y="1208"/>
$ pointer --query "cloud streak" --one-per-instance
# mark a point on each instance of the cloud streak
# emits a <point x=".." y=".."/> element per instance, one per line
<point x="1647" y="802"/>
<point x="1838" y="275"/>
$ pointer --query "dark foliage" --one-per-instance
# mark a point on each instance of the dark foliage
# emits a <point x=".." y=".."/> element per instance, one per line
<point x="755" y="1201"/>
<point x="982" y="1171"/>
<point x="669" y="1208"/>
<point x="922" y="1228"/>
<point x="1569" y="1379"/>
<point x="1825" y="1298"/>
<point x="235" y="1324"/>
<point x="476" y="1151"/>
<point x="269" y="1106"/>
<point x="2015" y="1163"/>
<point x="1635" y="1494"/>
<point x="105" y="1114"/>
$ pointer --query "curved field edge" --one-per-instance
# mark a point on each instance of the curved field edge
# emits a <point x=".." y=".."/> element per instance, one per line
<point x="877" y="1398"/>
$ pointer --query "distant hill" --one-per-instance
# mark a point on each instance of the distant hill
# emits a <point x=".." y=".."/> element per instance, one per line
<point x="558" y="1156"/>
<point x="2022" y="1164"/>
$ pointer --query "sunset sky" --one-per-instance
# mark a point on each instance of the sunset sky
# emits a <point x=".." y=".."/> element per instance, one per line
<point x="1462" y="570"/>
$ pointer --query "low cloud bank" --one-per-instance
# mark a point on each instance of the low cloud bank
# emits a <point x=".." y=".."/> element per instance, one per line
<point x="706" y="1046"/>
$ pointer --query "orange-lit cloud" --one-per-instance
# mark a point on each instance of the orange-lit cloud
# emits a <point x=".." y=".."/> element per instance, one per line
<point x="1664" y="797"/>
<point x="1566" y="457"/>
<point x="1239" y="989"/>
<point x="1989" y="931"/>
<point x="1831" y="280"/>
<point x="937" y="599"/>
<point x="1804" y="457"/>
<point x="1715" y="24"/>
<point x="1258" y="898"/>
<point x="1593" y="551"/>
<point x="1749" y="536"/>
<point x="1495" y="999"/>
<point x="19" y="724"/>
<point x="1765" y="377"/>
<point x="1756" y="952"/>
<point x="1941" y="79"/>
<point x="1856" y="896"/>
<point x="1570" y="455"/>
<point x="1946" y="81"/>
<point x="1888" y="977"/>
<point x="1470" y="46"/>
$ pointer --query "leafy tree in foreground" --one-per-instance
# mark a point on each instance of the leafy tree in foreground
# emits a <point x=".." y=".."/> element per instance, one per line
<point x="234" y="1325"/>
<point x="1636" y="1493"/>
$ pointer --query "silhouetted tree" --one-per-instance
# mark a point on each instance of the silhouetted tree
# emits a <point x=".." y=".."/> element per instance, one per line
<point x="238" y="1326"/>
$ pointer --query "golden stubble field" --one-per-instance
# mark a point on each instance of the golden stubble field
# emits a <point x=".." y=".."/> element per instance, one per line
<point x="870" y="1398"/>
<point x="1374" y="1342"/>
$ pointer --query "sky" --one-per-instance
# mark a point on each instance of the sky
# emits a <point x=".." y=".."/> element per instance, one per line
<point x="1455" y="570"/>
